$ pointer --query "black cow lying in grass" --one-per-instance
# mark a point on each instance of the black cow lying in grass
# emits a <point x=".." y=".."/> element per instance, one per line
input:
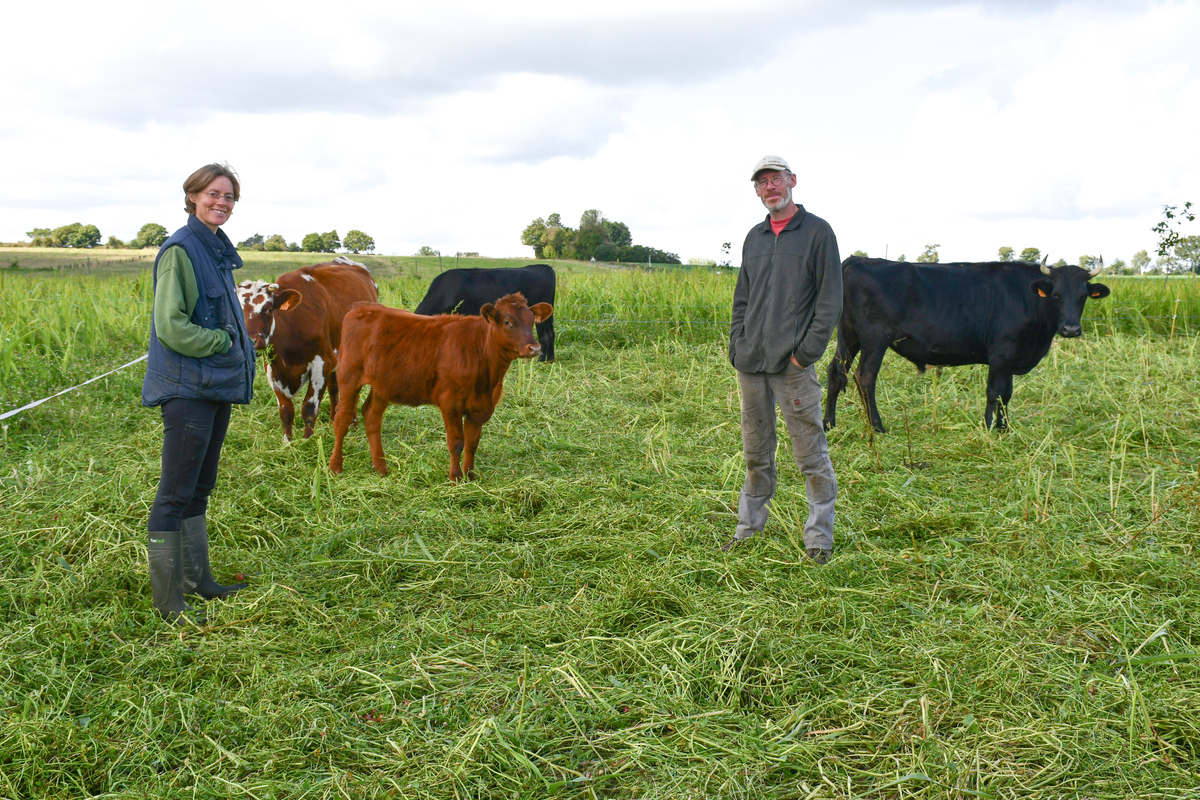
<point x="1003" y="314"/>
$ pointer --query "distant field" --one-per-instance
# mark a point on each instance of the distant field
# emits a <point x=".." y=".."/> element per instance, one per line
<point x="1005" y="616"/>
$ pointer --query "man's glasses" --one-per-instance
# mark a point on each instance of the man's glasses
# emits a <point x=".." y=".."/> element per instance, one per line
<point x="775" y="181"/>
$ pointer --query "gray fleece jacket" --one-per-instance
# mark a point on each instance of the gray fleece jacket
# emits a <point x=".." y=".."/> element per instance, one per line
<point x="789" y="295"/>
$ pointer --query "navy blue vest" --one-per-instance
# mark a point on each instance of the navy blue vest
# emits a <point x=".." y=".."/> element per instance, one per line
<point x="224" y="377"/>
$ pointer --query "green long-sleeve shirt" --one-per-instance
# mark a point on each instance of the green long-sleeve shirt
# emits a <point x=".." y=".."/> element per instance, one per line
<point x="174" y="301"/>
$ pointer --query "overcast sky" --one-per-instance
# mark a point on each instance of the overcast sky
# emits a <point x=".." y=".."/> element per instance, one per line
<point x="1059" y="125"/>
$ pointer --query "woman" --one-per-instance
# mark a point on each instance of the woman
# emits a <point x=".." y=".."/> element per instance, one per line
<point x="201" y="362"/>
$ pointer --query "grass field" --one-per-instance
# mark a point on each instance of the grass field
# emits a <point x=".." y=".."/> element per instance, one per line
<point x="1007" y="616"/>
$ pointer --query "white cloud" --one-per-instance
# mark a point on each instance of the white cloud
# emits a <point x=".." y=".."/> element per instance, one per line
<point x="1063" y="125"/>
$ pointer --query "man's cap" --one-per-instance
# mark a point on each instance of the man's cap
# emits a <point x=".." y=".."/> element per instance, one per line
<point x="770" y="162"/>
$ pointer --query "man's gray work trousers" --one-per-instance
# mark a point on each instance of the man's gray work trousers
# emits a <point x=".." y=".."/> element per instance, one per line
<point x="799" y="395"/>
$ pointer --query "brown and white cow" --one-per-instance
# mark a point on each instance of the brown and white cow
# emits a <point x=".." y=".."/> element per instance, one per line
<point x="452" y="362"/>
<point x="297" y="322"/>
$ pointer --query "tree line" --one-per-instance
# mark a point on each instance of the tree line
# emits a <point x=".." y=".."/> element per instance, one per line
<point x="78" y="235"/>
<point x="152" y="234"/>
<point x="355" y="242"/>
<point x="596" y="238"/>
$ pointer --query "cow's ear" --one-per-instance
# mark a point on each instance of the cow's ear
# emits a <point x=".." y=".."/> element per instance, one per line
<point x="488" y="312"/>
<point x="1097" y="290"/>
<point x="286" y="299"/>
<point x="542" y="312"/>
<point x="1043" y="288"/>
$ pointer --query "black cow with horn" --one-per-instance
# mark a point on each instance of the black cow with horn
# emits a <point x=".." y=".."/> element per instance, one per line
<point x="1003" y="314"/>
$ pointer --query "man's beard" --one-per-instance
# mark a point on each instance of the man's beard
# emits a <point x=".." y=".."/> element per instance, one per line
<point x="780" y="204"/>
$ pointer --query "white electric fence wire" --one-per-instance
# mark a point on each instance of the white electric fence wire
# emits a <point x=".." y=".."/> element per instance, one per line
<point x="36" y="403"/>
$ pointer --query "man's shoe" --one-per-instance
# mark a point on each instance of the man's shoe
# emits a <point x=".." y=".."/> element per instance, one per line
<point x="818" y="556"/>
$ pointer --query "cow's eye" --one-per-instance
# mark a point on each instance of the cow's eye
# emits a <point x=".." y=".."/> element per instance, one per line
<point x="508" y="323"/>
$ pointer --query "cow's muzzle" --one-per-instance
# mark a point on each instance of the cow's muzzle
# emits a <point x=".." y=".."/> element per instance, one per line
<point x="1070" y="331"/>
<point x="531" y="350"/>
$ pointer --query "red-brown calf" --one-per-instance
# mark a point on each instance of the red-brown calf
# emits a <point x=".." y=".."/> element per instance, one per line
<point x="300" y="319"/>
<point x="454" y="363"/>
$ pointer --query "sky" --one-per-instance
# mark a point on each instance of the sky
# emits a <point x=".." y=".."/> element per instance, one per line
<point x="1065" y="126"/>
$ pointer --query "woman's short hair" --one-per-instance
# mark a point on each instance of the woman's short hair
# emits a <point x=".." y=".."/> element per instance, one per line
<point x="198" y="180"/>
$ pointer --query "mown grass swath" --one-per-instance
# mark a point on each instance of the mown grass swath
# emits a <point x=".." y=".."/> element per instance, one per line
<point x="1005" y="615"/>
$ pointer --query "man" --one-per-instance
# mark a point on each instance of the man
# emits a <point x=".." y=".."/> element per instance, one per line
<point x="785" y="308"/>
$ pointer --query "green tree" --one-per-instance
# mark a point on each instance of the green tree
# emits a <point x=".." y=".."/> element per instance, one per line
<point x="275" y="244"/>
<point x="617" y="233"/>
<point x="251" y="243"/>
<point x="294" y="248"/>
<point x="1187" y="250"/>
<point x="860" y="254"/>
<point x="86" y="236"/>
<point x="560" y="242"/>
<point x="1089" y="262"/>
<point x="150" y="235"/>
<point x="1119" y="267"/>
<point x="590" y="234"/>
<point x="358" y="242"/>
<point x="1031" y="254"/>
<point x="725" y="256"/>
<point x="554" y="221"/>
<point x="39" y="237"/>
<point x="1168" y="238"/>
<point x="901" y="258"/>
<point x="1062" y="262"/>
<point x="1170" y="264"/>
<point x="1005" y="253"/>
<point x="75" y="235"/>
<point x="114" y="243"/>
<point x="532" y="237"/>
<point x="930" y="256"/>
<point x="330" y="241"/>
<point x="312" y="243"/>
<point x="426" y="250"/>
<point x="1140" y="261"/>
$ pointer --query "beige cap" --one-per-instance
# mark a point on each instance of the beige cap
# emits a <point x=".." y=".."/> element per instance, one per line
<point x="770" y="162"/>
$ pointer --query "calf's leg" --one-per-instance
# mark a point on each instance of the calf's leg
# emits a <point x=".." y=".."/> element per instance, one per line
<point x="318" y="375"/>
<point x="332" y="384"/>
<point x="341" y="422"/>
<point x="283" y="393"/>
<point x="473" y="429"/>
<point x="287" y="413"/>
<point x="308" y="409"/>
<point x="453" y="420"/>
<point x="373" y="424"/>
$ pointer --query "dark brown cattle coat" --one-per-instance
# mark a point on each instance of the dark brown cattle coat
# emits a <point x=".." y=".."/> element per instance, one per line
<point x="452" y="362"/>
<point x="298" y="321"/>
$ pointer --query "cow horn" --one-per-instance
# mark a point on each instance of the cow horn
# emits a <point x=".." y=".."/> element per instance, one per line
<point x="274" y="287"/>
<point x="1045" y="269"/>
<point x="1100" y="268"/>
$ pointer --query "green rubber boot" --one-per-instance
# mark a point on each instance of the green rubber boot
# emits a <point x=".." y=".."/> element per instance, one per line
<point x="166" y="575"/>
<point x="197" y="573"/>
